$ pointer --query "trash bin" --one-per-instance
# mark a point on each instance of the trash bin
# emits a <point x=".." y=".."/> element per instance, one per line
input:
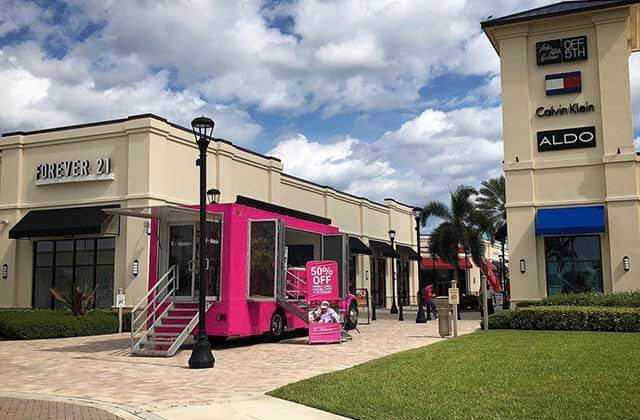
<point x="444" y="316"/>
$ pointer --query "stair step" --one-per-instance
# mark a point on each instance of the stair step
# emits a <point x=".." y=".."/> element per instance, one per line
<point x="174" y="328"/>
<point x="164" y="334"/>
<point x="155" y="342"/>
<point x="152" y="353"/>
<point x="175" y="321"/>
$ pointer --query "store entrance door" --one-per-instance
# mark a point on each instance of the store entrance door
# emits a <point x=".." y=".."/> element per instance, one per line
<point x="182" y="252"/>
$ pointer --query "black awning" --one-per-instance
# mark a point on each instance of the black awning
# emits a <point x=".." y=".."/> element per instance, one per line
<point x="408" y="253"/>
<point x="274" y="208"/>
<point x="60" y="222"/>
<point x="356" y="246"/>
<point x="383" y="249"/>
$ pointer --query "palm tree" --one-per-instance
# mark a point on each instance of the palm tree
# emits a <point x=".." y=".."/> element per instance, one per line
<point x="491" y="202"/>
<point x="463" y="225"/>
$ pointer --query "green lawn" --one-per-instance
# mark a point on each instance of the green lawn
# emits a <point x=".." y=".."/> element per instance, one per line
<point x="492" y="375"/>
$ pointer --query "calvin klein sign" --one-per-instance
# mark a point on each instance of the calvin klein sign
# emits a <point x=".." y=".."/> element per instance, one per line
<point x="73" y="171"/>
<point x="563" y="50"/>
<point x="574" y="108"/>
<point x="568" y="138"/>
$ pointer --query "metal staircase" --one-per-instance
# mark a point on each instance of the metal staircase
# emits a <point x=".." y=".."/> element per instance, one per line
<point x="292" y="294"/>
<point x="159" y="325"/>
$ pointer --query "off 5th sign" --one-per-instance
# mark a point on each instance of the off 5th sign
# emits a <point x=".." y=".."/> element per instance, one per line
<point x="569" y="138"/>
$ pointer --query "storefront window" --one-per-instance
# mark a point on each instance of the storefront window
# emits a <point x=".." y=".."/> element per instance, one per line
<point x="67" y="264"/>
<point x="403" y="282"/>
<point x="573" y="264"/>
<point x="262" y="259"/>
<point x="378" y="281"/>
<point x="352" y="274"/>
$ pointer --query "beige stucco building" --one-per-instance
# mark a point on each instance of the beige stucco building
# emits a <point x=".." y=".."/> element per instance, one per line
<point x="55" y="182"/>
<point x="572" y="173"/>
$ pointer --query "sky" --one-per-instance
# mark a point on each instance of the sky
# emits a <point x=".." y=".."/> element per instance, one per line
<point x="380" y="98"/>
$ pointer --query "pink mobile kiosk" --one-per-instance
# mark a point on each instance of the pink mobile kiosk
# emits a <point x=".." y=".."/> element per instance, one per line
<point x="256" y="281"/>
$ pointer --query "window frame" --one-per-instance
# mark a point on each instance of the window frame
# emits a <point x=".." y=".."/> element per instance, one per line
<point x="573" y="261"/>
<point x="54" y="266"/>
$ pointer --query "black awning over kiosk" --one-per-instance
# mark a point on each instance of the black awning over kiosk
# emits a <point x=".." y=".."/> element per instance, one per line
<point x="383" y="249"/>
<point x="408" y="252"/>
<point x="60" y="222"/>
<point x="356" y="246"/>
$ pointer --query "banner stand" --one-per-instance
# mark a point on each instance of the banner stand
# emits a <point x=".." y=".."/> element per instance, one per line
<point x="325" y="322"/>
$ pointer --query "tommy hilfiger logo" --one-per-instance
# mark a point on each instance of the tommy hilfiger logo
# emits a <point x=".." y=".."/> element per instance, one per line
<point x="561" y="83"/>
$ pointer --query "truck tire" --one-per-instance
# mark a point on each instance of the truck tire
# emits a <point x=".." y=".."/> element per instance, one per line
<point x="277" y="326"/>
<point x="217" y="340"/>
<point x="352" y="316"/>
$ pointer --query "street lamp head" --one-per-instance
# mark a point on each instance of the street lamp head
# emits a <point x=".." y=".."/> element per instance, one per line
<point x="202" y="128"/>
<point x="417" y="211"/>
<point x="392" y="234"/>
<point x="213" y="195"/>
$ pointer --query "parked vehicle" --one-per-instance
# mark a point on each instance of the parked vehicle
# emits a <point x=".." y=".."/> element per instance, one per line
<point x="255" y="278"/>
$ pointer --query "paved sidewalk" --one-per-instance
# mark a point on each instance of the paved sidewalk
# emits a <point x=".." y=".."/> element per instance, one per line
<point x="258" y="408"/>
<point x="19" y="409"/>
<point x="99" y="367"/>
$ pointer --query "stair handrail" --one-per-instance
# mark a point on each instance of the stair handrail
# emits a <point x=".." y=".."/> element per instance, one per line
<point x="300" y="291"/>
<point x="164" y="289"/>
<point x="186" y="332"/>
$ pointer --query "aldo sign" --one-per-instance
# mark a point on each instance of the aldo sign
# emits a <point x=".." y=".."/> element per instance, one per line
<point x="568" y="138"/>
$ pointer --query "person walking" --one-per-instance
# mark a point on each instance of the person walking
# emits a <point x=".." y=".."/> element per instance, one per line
<point x="428" y="300"/>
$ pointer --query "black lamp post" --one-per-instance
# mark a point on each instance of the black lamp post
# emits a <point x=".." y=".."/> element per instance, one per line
<point x="420" y="316"/>
<point x="201" y="357"/>
<point x="394" y="308"/>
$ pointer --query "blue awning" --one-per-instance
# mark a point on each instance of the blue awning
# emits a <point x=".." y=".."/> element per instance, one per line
<point x="570" y="220"/>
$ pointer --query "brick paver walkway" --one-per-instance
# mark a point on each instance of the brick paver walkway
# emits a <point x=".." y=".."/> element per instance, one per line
<point x="100" y="368"/>
<point x="19" y="409"/>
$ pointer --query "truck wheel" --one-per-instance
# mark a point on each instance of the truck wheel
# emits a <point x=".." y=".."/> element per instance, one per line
<point x="277" y="326"/>
<point x="217" y="340"/>
<point x="352" y="316"/>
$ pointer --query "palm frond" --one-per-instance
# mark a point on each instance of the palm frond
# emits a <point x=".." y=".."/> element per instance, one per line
<point x="434" y="208"/>
<point x="444" y="243"/>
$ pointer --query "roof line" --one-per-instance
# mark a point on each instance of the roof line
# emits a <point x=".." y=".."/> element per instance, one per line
<point x="508" y="19"/>
<point x="334" y="189"/>
<point x="129" y="118"/>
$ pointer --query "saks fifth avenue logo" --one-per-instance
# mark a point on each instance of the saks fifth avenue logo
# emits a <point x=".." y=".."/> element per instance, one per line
<point x="569" y="138"/>
<point x="574" y="108"/>
<point x="73" y="171"/>
<point x="564" y="50"/>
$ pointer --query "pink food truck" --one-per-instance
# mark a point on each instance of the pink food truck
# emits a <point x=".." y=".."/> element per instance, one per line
<point x="256" y="277"/>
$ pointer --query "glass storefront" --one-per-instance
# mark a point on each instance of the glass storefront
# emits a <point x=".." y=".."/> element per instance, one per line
<point x="403" y="282"/>
<point x="378" y="281"/>
<point x="573" y="264"/>
<point x="70" y="263"/>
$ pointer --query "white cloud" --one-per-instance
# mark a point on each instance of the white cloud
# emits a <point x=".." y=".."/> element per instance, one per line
<point x="424" y="159"/>
<point x="31" y="100"/>
<point x="378" y="57"/>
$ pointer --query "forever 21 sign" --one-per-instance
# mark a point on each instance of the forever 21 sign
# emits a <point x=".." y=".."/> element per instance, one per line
<point x="569" y="138"/>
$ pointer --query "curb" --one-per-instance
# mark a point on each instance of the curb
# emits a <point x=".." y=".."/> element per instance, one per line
<point x="119" y="410"/>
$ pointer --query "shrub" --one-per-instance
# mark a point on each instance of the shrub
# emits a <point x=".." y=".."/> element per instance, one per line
<point x="527" y="303"/>
<point x="26" y="325"/>
<point x="617" y="300"/>
<point x="577" y="318"/>
<point x="501" y="320"/>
